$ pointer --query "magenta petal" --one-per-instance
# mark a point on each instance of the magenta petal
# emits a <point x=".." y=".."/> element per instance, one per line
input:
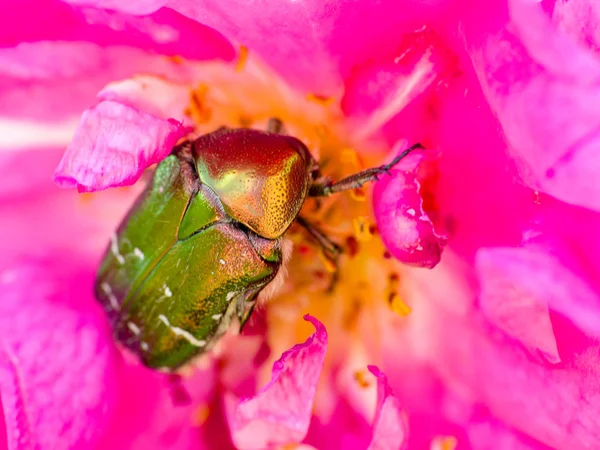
<point x="57" y="371"/>
<point x="390" y="429"/>
<point x="535" y="93"/>
<point x="280" y="413"/>
<point x="113" y="145"/>
<point x="405" y="228"/>
<point x="132" y="7"/>
<point x="527" y="280"/>
<point x="317" y="42"/>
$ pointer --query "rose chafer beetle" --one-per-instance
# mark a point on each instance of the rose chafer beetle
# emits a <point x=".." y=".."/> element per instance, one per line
<point x="206" y="237"/>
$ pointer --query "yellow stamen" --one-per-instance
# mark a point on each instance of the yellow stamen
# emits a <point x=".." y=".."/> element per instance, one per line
<point x="398" y="306"/>
<point x="358" y="194"/>
<point x="197" y="109"/>
<point x="85" y="197"/>
<point x="289" y="446"/>
<point x="444" y="443"/>
<point x="242" y="59"/>
<point x="327" y="262"/>
<point x="200" y="415"/>
<point x="320" y="99"/>
<point x="361" y="378"/>
<point x="177" y="59"/>
<point x="349" y="156"/>
<point x="362" y="231"/>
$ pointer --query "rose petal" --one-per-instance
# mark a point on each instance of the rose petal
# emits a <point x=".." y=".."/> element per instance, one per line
<point x="512" y="307"/>
<point x="390" y="429"/>
<point x="165" y="32"/>
<point x="280" y="413"/>
<point x="405" y="228"/>
<point x="534" y="93"/>
<point x="378" y="90"/>
<point x="524" y="277"/>
<point x="54" y="343"/>
<point x="113" y="145"/>
<point x="57" y="57"/>
<point x="318" y="43"/>
<point x="581" y="19"/>
<point x="132" y="7"/>
<point x="156" y="96"/>
<point x="555" y="405"/>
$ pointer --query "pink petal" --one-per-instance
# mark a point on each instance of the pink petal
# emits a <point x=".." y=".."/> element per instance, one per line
<point x="113" y="145"/>
<point x="555" y="404"/>
<point x="280" y="413"/>
<point x="390" y="429"/>
<point x="164" y="32"/>
<point x="531" y="280"/>
<point x="132" y="7"/>
<point x="534" y="93"/>
<point x="57" y="57"/>
<point x="57" y="375"/>
<point x="153" y="95"/>
<point x="580" y="19"/>
<point x="319" y="42"/>
<point x="378" y="90"/>
<point x="405" y="228"/>
<point x="515" y="309"/>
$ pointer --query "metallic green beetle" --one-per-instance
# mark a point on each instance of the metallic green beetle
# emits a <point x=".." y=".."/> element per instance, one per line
<point x="205" y="238"/>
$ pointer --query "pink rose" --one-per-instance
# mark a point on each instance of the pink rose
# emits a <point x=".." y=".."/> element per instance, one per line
<point x="466" y="312"/>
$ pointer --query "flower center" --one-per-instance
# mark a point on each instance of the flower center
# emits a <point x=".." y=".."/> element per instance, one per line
<point x="348" y="297"/>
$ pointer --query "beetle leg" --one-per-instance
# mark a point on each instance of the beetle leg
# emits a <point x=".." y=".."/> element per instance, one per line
<point x="331" y="250"/>
<point x="275" y="125"/>
<point x="323" y="186"/>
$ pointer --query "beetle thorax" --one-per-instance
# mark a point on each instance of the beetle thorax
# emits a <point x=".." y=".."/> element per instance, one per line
<point x="262" y="179"/>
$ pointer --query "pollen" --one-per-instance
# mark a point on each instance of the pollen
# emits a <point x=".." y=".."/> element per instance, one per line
<point x="362" y="230"/>
<point x="358" y="194"/>
<point x="443" y="443"/>
<point x="289" y="446"/>
<point x="350" y="156"/>
<point x="242" y="59"/>
<point x="198" y="110"/>
<point x="200" y="415"/>
<point x="176" y="59"/>
<point x="320" y="99"/>
<point x="327" y="262"/>
<point x="361" y="377"/>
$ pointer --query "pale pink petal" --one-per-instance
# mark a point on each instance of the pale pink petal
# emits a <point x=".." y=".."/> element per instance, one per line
<point x="55" y="58"/>
<point x="556" y="404"/>
<point x="534" y="93"/>
<point x="57" y="373"/>
<point x="390" y="429"/>
<point x="514" y="299"/>
<point x="132" y="7"/>
<point x="280" y="413"/>
<point x="156" y="96"/>
<point x="318" y="43"/>
<point x="531" y="280"/>
<point x="580" y="19"/>
<point x="165" y="32"/>
<point x="487" y="433"/>
<point x="113" y="145"/>
<point x="54" y="82"/>
<point x="405" y="227"/>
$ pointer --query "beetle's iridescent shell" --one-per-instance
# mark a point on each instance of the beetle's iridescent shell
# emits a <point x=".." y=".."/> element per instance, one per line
<point x="262" y="179"/>
<point x="179" y="269"/>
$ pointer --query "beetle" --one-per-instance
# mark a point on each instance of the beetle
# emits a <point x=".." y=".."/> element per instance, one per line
<point x="205" y="237"/>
